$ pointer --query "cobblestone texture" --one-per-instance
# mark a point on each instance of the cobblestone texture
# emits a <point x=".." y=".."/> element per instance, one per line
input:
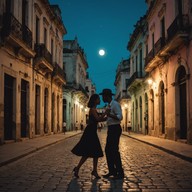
<point x="147" y="169"/>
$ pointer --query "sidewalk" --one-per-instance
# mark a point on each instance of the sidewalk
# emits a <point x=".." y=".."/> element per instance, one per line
<point x="13" y="151"/>
<point x="181" y="150"/>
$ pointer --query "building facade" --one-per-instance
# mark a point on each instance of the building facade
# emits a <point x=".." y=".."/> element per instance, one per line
<point x="122" y="95"/>
<point x="75" y="93"/>
<point x="31" y="69"/>
<point x="137" y="86"/>
<point x="165" y="89"/>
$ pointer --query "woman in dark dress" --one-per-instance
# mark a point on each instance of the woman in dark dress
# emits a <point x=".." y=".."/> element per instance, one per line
<point x="89" y="145"/>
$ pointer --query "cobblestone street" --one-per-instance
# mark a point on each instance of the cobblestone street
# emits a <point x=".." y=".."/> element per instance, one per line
<point x="147" y="169"/>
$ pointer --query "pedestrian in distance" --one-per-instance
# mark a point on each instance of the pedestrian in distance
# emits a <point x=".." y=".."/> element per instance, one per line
<point x="114" y="131"/>
<point x="89" y="145"/>
<point x="129" y="127"/>
<point x="64" y="127"/>
<point x="81" y="125"/>
<point x="76" y="126"/>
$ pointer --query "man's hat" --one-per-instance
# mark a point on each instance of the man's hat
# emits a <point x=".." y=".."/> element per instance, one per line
<point x="106" y="92"/>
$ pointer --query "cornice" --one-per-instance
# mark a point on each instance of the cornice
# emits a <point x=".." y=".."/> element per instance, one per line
<point x="52" y="16"/>
<point x="153" y="8"/>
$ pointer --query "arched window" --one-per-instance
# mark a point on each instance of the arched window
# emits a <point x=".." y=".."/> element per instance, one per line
<point x="181" y="102"/>
<point x="152" y="115"/>
<point x="161" y="108"/>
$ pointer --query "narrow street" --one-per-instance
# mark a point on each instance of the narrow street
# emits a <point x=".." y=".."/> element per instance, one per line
<point x="147" y="169"/>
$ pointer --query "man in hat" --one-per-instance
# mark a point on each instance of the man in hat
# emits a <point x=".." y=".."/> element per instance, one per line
<point x="113" y="135"/>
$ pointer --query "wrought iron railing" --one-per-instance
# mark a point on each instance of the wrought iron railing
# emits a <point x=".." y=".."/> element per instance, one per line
<point x="179" y="25"/>
<point x="59" y="71"/>
<point x="135" y="76"/>
<point x="159" y="45"/>
<point x="149" y="57"/>
<point x="11" y="26"/>
<point x="41" y="51"/>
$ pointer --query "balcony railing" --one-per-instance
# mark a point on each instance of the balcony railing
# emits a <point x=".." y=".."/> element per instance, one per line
<point x="177" y="34"/>
<point x="11" y="26"/>
<point x="41" y="51"/>
<point x="179" y="25"/>
<point x="149" y="57"/>
<point x="135" y="76"/>
<point x="159" y="45"/>
<point x="157" y="48"/>
<point x="58" y="72"/>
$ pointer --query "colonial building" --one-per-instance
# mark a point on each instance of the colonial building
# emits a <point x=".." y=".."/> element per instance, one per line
<point x="166" y="90"/>
<point x="31" y="75"/>
<point x="137" y="86"/>
<point x="89" y="86"/>
<point x="75" y="95"/>
<point x="122" y="96"/>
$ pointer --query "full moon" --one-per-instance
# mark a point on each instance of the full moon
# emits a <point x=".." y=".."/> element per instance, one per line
<point x="101" y="52"/>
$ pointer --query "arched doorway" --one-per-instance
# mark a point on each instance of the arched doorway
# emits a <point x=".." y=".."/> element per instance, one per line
<point x="64" y="109"/>
<point x="136" y="117"/>
<point x="140" y="113"/>
<point x="181" y="101"/>
<point x="146" y="114"/>
<point x="46" y="110"/>
<point x="53" y="113"/>
<point x="161" y="108"/>
<point x="151" y="114"/>
<point x="133" y="116"/>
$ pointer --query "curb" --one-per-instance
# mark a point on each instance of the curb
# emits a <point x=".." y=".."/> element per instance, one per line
<point x="34" y="150"/>
<point x="183" y="157"/>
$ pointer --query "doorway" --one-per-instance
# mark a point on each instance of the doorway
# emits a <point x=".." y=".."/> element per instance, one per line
<point x="9" y="108"/>
<point x="182" y="102"/>
<point x="24" y="108"/>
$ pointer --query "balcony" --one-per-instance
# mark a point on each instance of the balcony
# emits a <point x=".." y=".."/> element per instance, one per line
<point x="78" y="90"/>
<point x="177" y="35"/>
<point x="135" y="81"/>
<point x="43" y="59"/>
<point x="123" y="95"/>
<point x="58" y="74"/>
<point x="153" y="58"/>
<point x="17" y="35"/>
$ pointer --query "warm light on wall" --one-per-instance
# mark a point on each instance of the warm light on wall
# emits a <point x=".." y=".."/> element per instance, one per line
<point x="150" y="81"/>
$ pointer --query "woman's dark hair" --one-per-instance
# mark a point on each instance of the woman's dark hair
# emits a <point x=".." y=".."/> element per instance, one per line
<point x="92" y="100"/>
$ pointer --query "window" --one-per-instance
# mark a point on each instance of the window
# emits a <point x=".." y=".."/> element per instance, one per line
<point x="37" y="32"/>
<point x="153" y="40"/>
<point x="163" y="27"/>
<point x="45" y="37"/>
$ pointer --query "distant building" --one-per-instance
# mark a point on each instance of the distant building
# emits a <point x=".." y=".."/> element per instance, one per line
<point x="136" y="85"/>
<point x="75" y="93"/>
<point x="122" y="95"/>
<point x="90" y="86"/>
<point x="31" y="69"/>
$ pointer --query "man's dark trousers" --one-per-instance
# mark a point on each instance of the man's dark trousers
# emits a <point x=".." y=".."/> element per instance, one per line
<point x="112" y="149"/>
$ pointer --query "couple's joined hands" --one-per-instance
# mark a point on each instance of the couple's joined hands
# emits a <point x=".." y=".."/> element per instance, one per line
<point x="107" y="111"/>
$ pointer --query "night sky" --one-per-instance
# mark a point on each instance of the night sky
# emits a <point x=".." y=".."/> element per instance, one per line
<point x="105" y="24"/>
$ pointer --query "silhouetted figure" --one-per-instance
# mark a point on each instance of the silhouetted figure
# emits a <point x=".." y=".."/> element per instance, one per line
<point x="114" y="118"/>
<point x="89" y="144"/>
